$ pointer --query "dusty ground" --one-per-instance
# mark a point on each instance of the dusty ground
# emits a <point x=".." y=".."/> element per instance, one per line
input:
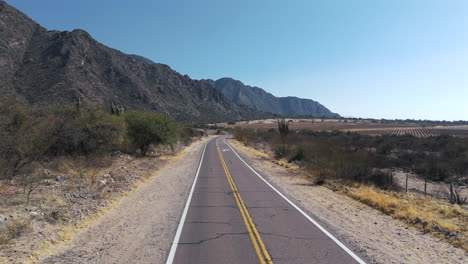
<point x="140" y="229"/>
<point x="65" y="202"/>
<point x="372" y="234"/>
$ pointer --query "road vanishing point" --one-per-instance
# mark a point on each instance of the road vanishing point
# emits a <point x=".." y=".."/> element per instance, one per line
<point x="233" y="215"/>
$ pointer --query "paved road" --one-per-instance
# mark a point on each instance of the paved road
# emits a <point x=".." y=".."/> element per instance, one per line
<point x="233" y="216"/>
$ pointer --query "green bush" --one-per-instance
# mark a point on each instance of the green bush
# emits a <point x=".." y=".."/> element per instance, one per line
<point x="146" y="128"/>
<point x="91" y="130"/>
<point x="13" y="118"/>
<point x="31" y="134"/>
<point x="100" y="131"/>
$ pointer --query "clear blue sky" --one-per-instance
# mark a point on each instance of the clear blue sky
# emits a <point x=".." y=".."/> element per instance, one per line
<point x="362" y="58"/>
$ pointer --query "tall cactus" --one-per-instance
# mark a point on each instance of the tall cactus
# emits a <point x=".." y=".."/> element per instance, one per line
<point x="116" y="110"/>
<point x="283" y="127"/>
<point x="113" y="108"/>
<point x="78" y="104"/>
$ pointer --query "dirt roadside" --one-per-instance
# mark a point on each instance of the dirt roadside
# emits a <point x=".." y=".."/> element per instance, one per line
<point x="373" y="235"/>
<point x="141" y="228"/>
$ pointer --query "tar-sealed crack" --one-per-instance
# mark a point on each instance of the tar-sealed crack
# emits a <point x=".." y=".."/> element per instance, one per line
<point x="215" y="206"/>
<point x="208" y="222"/>
<point x="291" y="237"/>
<point x="267" y="207"/>
<point x="201" y="191"/>
<point x="211" y="238"/>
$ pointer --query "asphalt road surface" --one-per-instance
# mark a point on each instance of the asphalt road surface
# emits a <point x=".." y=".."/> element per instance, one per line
<point x="233" y="215"/>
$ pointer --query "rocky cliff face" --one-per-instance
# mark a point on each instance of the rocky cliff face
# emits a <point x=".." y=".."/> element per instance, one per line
<point x="259" y="99"/>
<point x="46" y="67"/>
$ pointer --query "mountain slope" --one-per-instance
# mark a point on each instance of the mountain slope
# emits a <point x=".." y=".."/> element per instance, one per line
<point x="259" y="99"/>
<point x="45" y="67"/>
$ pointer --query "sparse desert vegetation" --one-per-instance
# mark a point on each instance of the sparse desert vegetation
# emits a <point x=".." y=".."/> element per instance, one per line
<point x="60" y="164"/>
<point x="364" y="168"/>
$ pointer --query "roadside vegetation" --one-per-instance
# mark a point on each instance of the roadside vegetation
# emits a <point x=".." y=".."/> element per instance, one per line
<point x="60" y="163"/>
<point x="363" y="167"/>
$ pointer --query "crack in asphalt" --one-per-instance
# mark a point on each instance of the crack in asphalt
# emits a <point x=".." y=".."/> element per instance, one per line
<point x="202" y="192"/>
<point x="268" y="207"/>
<point x="243" y="191"/>
<point x="219" y="235"/>
<point x="311" y="259"/>
<point x="290" y="237"/>
<point x="215" y="206"/>
<point x="208" y="222"/>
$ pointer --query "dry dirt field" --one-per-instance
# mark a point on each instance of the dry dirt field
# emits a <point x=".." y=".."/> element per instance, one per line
<point x="365" y="127"/>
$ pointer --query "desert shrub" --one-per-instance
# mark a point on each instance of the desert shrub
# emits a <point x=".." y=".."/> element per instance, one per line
<point x="240" y="132"/>
<point x="352" y="167"/>
<point x="455" y="196"/>
<point x="283" y="128"/>
<point x="187" y="133"/>
<point x="432" y="169"/>
<point x="318" y="173"/>
<point x="231" y="122"/>
<point x="383" y="180"/>
<point x="13" y="229"/>
<point x="298" y="154"/>
<point x="281" y="151"/>
<point x="146" y="128"/>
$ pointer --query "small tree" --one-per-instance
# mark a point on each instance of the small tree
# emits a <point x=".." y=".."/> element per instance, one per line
<point x="283" y="128"/>
<point x="146" y="128"/>
<point x="99" y="131"/>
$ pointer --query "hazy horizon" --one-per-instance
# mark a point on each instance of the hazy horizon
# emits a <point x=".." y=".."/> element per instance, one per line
<point x="370" y="59"/>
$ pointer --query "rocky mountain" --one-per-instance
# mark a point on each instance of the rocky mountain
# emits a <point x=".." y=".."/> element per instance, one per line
<point x="46" y="67"/>
<point x="259" y="99"/>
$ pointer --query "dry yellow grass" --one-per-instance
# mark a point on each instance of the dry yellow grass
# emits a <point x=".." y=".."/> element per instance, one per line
<point x="252" y="150"/>
<point x="439" y="218"/>
<point x="265" y="155"/>
<point x="368" y="195"/>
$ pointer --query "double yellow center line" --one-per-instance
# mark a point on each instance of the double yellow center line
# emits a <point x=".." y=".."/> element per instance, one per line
<point x="259" y="246"/>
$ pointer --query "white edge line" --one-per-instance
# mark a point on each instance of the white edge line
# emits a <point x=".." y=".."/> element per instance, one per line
<point x="351" y="253"/>
<point x="173" y="250"/>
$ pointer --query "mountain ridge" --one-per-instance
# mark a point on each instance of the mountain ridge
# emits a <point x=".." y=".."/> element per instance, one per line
<point x="45" y="67"/>
<point x="260" y="99"/>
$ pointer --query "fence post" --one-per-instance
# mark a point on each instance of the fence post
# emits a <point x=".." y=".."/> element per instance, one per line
<point x="425" y="186"/>
<point x="406" y="183"/>
<point x="451" y="194"/>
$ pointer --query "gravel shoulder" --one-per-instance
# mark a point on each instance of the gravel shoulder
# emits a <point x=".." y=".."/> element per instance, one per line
<point x="140" y="229"/>
<point x="377" y="237"/>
